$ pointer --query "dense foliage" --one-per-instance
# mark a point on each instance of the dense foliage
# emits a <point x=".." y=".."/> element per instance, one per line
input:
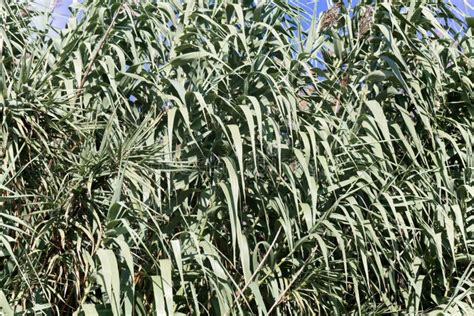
<point x="212" y="157"/>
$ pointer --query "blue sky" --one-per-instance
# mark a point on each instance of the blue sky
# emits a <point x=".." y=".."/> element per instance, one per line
<point x="61" y="11"/>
